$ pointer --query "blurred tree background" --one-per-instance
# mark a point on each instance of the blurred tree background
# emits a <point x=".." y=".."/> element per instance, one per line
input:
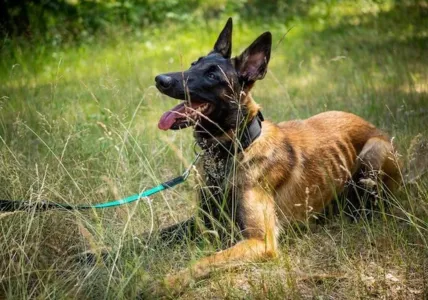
<point x="71" y="20"/>
<point x="65" y="19"/>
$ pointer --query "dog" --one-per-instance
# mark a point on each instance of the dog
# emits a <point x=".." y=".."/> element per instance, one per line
<point x="260" y="176"/>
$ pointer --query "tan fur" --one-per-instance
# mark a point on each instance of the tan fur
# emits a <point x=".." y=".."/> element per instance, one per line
<point x="293" y="170"/>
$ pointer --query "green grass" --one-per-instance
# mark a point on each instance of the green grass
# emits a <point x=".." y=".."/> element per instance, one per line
<point x="78" y="124"/>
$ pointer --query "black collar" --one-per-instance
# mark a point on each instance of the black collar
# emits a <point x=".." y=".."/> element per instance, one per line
<point x="245" y="137"/>
<point x="251" y="131"/>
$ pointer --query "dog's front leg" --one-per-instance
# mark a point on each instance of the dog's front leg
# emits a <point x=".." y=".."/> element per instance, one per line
<point x="259" y="220"/>
<point x="178" y="232"/>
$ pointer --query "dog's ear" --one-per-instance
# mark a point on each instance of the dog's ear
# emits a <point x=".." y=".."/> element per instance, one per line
<point x="252" y="64"/>
<point x="224" y="41"/>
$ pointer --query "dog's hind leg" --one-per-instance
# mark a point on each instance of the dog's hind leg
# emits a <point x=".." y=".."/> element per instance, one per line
<point x="377" y="175"/>
<point x="378" y="161"/>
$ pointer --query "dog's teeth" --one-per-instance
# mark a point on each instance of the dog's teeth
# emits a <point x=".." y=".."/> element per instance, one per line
<point x="194" y="113"/>
<point x="203" y="107"/>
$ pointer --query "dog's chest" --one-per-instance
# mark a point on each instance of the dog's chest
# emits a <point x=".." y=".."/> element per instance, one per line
<point x="220" y="192"/>
<point x="217" y="167"/>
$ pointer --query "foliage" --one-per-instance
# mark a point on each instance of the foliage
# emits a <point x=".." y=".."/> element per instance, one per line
<point x="74" y="19"/>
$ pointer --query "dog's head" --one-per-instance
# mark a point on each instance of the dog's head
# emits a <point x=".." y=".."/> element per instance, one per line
<point x="212" y="88"/>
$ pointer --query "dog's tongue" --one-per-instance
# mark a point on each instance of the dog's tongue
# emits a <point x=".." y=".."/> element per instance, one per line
<point x="168" y="118"/>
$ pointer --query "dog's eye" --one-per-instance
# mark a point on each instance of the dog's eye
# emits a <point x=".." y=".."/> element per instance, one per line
<point x="211" y="76"/>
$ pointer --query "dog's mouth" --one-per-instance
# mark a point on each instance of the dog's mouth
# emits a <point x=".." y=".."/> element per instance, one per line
<point x="184" y="115"/>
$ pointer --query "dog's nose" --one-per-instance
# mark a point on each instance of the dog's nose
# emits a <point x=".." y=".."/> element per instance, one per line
<point x="164" y="81"/>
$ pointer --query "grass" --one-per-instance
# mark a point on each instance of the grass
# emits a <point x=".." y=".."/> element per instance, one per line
<point x="78" y="124"/>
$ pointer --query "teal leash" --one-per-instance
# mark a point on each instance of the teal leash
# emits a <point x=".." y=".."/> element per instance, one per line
<point x="12" y="205"/>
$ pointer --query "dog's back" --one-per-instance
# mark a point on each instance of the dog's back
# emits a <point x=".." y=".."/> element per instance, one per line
<point x="309" y="162"/>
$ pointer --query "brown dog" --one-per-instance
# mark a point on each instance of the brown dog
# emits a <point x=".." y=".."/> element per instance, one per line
<point x="260" y="176"/>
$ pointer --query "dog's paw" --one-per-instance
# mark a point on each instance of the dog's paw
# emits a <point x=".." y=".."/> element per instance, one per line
<point x="170" y="287"/>
<point x="153" y="290"/>
<point x="178" y="282"/>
